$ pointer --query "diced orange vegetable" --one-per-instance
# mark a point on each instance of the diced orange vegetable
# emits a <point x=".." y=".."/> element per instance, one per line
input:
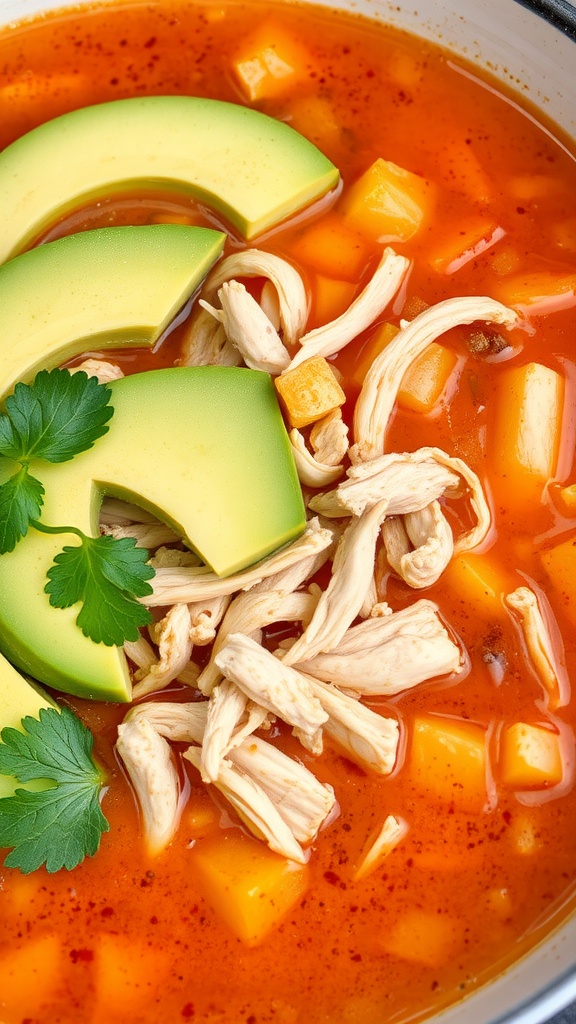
<point x="424" y="937"/>
<point x="564" y="233"/>
<point x="270" y="62"/>
<point x="530" y="757"/>
<point x="309" y="391"/>
<point x="499" y="902"/>
<point x="202" y="817"/>
<point x="466" y="246"/>
<point x="567" y="499"/>
<point x="524" y="834"/>
<point x="505" y="260"/>
<point x="538" y="293"/>
<point x="29" y="976"/>
<point x="479" y="584"/>
<point x="460" y="170"/>
<point x="315" y="118"/>
<point x="404" y="66"/>
<point x="250" y="887"/>
<point x="331" y="299"/>
<point x="427" y="378"/>
<point x="125" y="975"/>
<point x="448" y="760"/>
<point x="559" y="564"/>
<point x="333" y="248"/>
<point x="376" y="344"/>
<point x="388" y="203"/>
<point x="527" y="429"/>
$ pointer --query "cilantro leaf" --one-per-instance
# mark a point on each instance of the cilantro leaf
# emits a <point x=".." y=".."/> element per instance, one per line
<point x="106" y="575"/>
<point x="20" y="503"/>
<point x="61" y="825"/>
<point x="55" y="418"/>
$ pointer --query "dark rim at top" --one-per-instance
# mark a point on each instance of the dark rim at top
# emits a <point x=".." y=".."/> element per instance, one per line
<point x="560" y="13"/>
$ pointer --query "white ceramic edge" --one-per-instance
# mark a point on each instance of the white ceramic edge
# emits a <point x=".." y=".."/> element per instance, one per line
<point x="538" y="61"/>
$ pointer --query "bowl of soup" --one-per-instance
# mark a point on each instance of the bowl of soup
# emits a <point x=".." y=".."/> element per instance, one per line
<point x="289" y="335"/>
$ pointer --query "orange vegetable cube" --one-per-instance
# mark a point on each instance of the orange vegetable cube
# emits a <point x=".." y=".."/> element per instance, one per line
<point x="333" y="248"/>
<point x="125" y="975"/>
<point x="564" y="233"/>
<point x="567" y="498"/>
<point x="466" y="246"/>
<point x="309" y="391"/>
<point x="527" y="429"/>
<point x="427" y="379"/>
<point x="479" y="583"/>
<point x="530" y="757"/>
<point x="331" y="299"/>
<point x="460" y="170"/>
<point x="559" y="564"/>
<point x="250" y="887"/>
<point x="448" y="760"/>
<point x="315" y="118"/>
<point x="424" y="937"/>
<point x="270" y="62"/>
<point x="538" y="293"/>
<point x="377" y="343"/>
<point x="202" y="816"/>
<point x="29" y="976"/>
<point x="388" y="203"/>
<point x="524" y="834"/>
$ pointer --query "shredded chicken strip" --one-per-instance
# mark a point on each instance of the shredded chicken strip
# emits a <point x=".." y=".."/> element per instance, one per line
<point x="254" y="807"/>
<point x="419" y="546"/>
<point x="368" y="738"/>
<point x="231" y="718"/>
<point x="248" y="328"/>
<point x="311" y="472"/>
<point x="550" y="669"/>
<point x="192" y="584"/>
<point x="302" y="801"/>
<point x="148" y="762"/>
<point x="380" y="388"/>
<point x="179" y="723"/>
<point x="388" y="654"/>
<point x="378" y="293"/>
<point x="141" y="653"/>
<point x="392" y="832"/>
<point x="329" y="438"/>
<point x="100" y="368"/>
<point x="205" y="617"/>
<point x="275" y="686"/>
<point x="114" y="511"/>
<point x="172" y="635"/>
<point x="146" y="535"/>
<point x="205" y="342"/>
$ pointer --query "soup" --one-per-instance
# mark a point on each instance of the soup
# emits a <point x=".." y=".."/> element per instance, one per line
<point x="440" y="768"/>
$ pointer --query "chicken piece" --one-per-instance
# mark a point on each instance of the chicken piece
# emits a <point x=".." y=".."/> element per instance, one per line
<point x="311" y="472"/>
<point x="231" y="718"/>
<point x="141" y="653"/>
<point x="146" y="535"/>
<point x="250" y="612"/>
<point x="382" y="382"/>
<point x="205" y="343"/>
<point x="179" y="723"/>
<point x="368" y="738"/>
<point x="378" y="293"/>
<point x="115" y="512"/>
<point x="549" y="667"/>
<point x="100" y="368"/>
<point x="275" y="686"/>
<point x="392" y="832"/>
<point x="282" y="276"/>
<point x="301" y="800"/>
<point x="188" y="585"/>
<point x="148" y="762"/>
<point x="329" y="439"/>
<point x="370" y="600"/>
<point x="172" y="635"/>
<point x="419" y="545"/>
<point x="388" y="654"/>
<point x="340" y="603"/>
<point x="254" y="808"/>
<point x="205" y="617"/>
<point x="248" y="328"/>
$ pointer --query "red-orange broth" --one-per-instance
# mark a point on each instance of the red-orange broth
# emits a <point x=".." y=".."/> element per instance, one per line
<point x="132" y="939"/>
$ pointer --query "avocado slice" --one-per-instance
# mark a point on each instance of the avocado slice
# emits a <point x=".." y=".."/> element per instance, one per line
<point x="251" y="168"/>
<point x="18" y="698"/>
<point x="203" y="448"/>
<point x="108" y="288"/>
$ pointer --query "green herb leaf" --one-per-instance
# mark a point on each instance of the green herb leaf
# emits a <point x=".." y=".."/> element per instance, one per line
<point x="20" y="503"/>
<point x="57" y="826"/>
<point x="55" y="418"/>
<point x="106" y="575"/>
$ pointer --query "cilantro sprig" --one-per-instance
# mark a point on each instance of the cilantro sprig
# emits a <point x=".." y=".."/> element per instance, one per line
<point x="58" y="416"/>
<point x="61" y="825"/>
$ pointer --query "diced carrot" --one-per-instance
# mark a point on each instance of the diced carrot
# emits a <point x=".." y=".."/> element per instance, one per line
<point x="499" y="902"/>
<point x="376" y="344"/>
<point x="404" y="66"/>
<point x="250" y="887"/>
<point x="202" y="817"/>
<point x="479" y="583"/>
<point x="527" y="429"/>
<point x="564" y="233"/>
<point x="567" y="499"/>
<point x="29" y="976"/>
<point x="538" y="293"/>
<point x="309" y="391"/>
<point x="388" y="203"/>
<point x="559" y="564"/>
<point x="315" y="118"/>
<point x="448" y="760"/>
<point x="270" y="61"/>
<point x="466" y="245"/>
<point x="331" y="299"/>
<point x="505" y="260"/>
<point x="524" y="835"/>
<point x="333" y="248"/>
<point x="460" y="170"/>
<point x="380" y="846"/>
<point x="126" y="975"/>
<point x="530" y="757"/>
<point x="427" y="378"/>
<point x="424" y="937"/>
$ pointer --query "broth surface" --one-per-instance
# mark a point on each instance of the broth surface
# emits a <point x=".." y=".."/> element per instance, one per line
<point x="132" y="939"/>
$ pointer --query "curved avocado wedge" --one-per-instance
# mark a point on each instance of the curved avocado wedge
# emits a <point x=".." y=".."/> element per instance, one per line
<point x="18" y="698"/>
<point x="109" y="288"/>
<point x="251" y="168"/>
<point x="206" y="450"/>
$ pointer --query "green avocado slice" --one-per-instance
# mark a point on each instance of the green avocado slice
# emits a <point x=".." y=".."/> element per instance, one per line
<point x="206" y="450"/>
<point x="110" y="288"/>
<point x="18" y="698"/>
<point x="252" y="169"/>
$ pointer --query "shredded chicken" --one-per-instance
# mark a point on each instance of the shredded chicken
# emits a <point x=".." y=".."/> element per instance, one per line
<point x="254" y="807"/>
<point x="172" y="636"/>
<point x="275" y="686"/>
<point x="378" y="293"/>
<point x="311" y="472"/>
<point x="550" y="668"/>
<point x="205" y="617"/>
<point x="392" y="832"/>
<point x="419" y="545"/>
<point x="115" y="512"/>
<point x="179" y="723"/>
<point x="388" y="654"/>
<point x="231" y="718"/>
<point x="146" y="535"/>
<point x="329" y="438"/>
<point x="205" y="342"/>
<point x="148" y="762"/>
<point x="100" y="368"/>
<point x="248" y="328"/>
<point x="380" y="388"/>
<point x="141" y="653"/>
<point x="367" y="737"/>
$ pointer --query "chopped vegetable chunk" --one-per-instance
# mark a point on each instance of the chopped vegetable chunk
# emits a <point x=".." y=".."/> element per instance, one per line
<point x="424" y="937"/>
<point x="530" y="757"/>
<point x="309" y="391"/>
<point x="270" y="62"/>
<point x="448" y="760"/>
<point x="427" y="378"/>
<point x="388" y="203"/>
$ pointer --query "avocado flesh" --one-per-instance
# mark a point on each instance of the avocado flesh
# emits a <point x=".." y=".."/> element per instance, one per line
<point x="109" y="288"/>
<point x="18" y="698"/>
<point x="203" y="448"/>
<point x="252" y="169"/>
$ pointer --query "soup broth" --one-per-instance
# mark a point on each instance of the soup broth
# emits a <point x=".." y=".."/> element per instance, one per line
<point x="480" y="873"/>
